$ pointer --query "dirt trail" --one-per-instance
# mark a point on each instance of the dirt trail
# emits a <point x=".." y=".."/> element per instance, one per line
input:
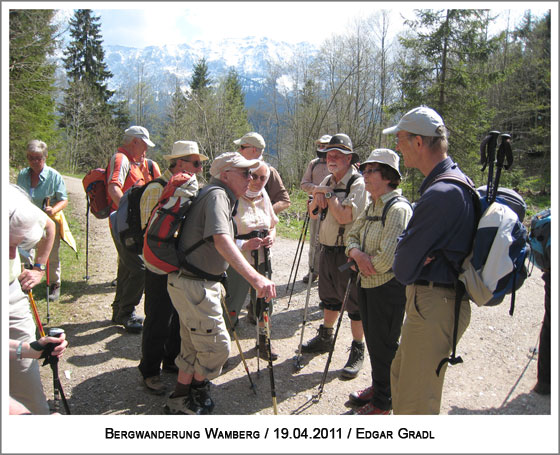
<point x="100" y="376"/>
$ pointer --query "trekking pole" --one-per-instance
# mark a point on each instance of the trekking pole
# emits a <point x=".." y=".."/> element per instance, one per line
<point x="86" y="277"/>
<point x="299" y="251"/>
<point x="266" y="318"/>
<point x="46" y="203"/>
<point x="35" y="314"/>
<point x="53" y="362"/>
<point x="256" y="306"/>
<point x="297" y="359"/>
<point x="253" y="387"/>
<point x="487" y="157"/>
<point x="340" y="316"/>
<point x="503" y="151"/>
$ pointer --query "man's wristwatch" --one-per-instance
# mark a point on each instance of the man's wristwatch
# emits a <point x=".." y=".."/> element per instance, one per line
<point x="41" y="267"/>
<point x="328" y="195"/>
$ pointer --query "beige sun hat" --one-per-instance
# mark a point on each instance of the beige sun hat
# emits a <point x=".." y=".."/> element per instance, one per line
<point x="383" y="156"/>
<point x="253" y="139"/>
<point x="185" y="148"/>
<point x="140" y="132"/>
<point x="231" y="160"/>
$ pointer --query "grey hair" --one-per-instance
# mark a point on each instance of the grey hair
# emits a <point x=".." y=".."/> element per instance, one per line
<point x="37" y="146"/>
<point x="437" y="143"/>
<point x="127" y="139"/>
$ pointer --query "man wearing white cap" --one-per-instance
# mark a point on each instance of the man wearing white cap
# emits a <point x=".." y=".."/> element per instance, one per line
<point x="381" y="298"/>
<point x="314" y="174"/>
<point x="428" y="256"/>
<point x="160" y="335"/>
<point x="197" y="291"/>
<point x="252" y="146"/>
<point x="129" y="167"/>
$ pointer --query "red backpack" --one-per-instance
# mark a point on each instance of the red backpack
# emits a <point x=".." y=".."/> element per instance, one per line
<point x="95" y="186"/>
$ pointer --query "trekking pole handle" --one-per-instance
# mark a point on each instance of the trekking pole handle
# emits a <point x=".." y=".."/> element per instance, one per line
<point x="347" y="265"/>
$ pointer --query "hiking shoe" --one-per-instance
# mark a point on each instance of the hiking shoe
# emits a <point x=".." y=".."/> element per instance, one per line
<point x="314" y="277"/>
<point x="155" y="385"/>
<point x="263" y="348"/>
<point x="322" y="342"/>
<point x="370" y="410"/>
<point x="132" y="323"/>
<point x="54" y="291"/>
<point x="184" y="405"/>
<point x="355" y="360"/>
<point x="541" y="388"/>
<point x="201" y="396"/>
<point x="361" y="397"/>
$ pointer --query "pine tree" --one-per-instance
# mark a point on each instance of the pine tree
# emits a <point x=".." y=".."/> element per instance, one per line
<point x="31" y="73"/>
<point x="201" y="81"/>
<point x="84" y="56"/>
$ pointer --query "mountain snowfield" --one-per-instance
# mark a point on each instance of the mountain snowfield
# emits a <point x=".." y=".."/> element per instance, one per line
<point x="161" y="66"/>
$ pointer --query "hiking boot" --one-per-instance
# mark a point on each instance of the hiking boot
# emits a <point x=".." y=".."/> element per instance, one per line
<point x="54" y="291"/>
<point x="541" y="388"/>
<point x="355" y="360"/>
<point x="132" y="323"/>
<point x="183" y="405"/>
<point x="314" y="277"/>
<point x="322" y="342"/>
<point x="263" y="348"/>
<point x="361" y="397"/>
<point x="155" y="385"/>
<point x="370" y="410"/>
<point x="250" y="314"/>
<point x="201" y="396"/>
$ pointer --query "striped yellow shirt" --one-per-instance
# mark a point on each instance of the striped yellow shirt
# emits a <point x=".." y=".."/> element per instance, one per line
<point x="377" y="240"/>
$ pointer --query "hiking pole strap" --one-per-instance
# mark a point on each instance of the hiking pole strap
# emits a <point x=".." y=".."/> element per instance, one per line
<point x="453" y="359"/>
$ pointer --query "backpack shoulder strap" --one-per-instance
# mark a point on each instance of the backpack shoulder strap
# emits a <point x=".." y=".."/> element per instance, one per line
<point x="390" y="204"/>
<point x="151" y="167"/>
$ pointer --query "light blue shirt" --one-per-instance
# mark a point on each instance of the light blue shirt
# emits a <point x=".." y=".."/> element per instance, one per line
<point x="50" y="185"/>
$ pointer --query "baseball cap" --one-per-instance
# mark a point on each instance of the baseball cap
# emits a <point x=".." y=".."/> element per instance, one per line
<point x="231" y="160"/>
<point x="140" y="132"/>
<point x="383" y="156"/>
<point x="253" y="139"/>
<point x="420" y="120"/>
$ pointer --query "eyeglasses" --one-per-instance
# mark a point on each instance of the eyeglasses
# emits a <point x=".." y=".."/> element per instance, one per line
<point x="370" y="171"/>
<point x="196" y="163"/>
<point x="262" y="178"/>
<point x="35" y="158"/>
<point x="246" y="173"/>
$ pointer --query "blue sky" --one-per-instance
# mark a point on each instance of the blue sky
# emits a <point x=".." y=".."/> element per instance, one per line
<point x="140" y="24"/>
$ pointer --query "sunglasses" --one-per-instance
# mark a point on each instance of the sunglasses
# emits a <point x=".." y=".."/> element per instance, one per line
<point x="246" y="173"/>
<point x="196" y="163"/>
<point x="262" y="178"/>
<point x="370" y="171"/>
<point x="35" y="158"/>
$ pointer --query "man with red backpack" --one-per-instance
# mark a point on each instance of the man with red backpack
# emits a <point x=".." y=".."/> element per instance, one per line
<point x="129" y="167"/>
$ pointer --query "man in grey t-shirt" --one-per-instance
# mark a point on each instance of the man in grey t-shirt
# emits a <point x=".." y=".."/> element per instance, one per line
<point x="197" y="292"/>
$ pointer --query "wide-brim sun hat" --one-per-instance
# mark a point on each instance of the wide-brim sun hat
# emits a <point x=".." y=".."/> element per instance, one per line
<point x="232" y="160"/>
<point x="343" y="144"/>
<point x="253" y="139"/>
<point x="383" y="156"/>
<point x="185" y="148"/>
<point x="422" y="121"/>
<point x="322" y="142"/>
<point x="139" y="132"/>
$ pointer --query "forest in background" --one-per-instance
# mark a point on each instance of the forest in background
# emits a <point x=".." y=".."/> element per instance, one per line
<point x="358" y="83"/>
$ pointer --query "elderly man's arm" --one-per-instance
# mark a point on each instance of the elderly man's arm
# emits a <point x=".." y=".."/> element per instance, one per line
<point x="229" y="251"/>
<point x="115" y="192"/>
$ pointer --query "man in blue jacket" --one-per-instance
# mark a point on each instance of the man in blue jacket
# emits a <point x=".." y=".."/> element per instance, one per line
<point x="428" y="255"/>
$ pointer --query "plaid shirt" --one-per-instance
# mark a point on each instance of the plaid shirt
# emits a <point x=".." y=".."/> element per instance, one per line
<point x="150" y="198"/>
<point x="377" y="240"/>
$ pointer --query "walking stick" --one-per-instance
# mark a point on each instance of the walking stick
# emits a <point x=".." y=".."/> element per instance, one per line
<point x="487" y="157"/>
<point x="256" y="307"/>
<point x="299" y="251"/>
<point x="340" y="316"/>
<point x="46" y="203"/>
<point x="53" y="362"/>
<point x="266" y="319"/>
<point x="504" y="152"/>
<point x="35" y="314"/>
<point x="297" y="359"/>
<point x="87" y="240"/>
<point x="253" y="387"/>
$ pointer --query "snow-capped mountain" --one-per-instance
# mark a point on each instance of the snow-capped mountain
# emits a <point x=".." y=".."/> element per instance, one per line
<point x="163" y="66"/>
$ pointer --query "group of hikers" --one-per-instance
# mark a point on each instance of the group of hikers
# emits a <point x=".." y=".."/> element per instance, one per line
<point x="401" y="262"/>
